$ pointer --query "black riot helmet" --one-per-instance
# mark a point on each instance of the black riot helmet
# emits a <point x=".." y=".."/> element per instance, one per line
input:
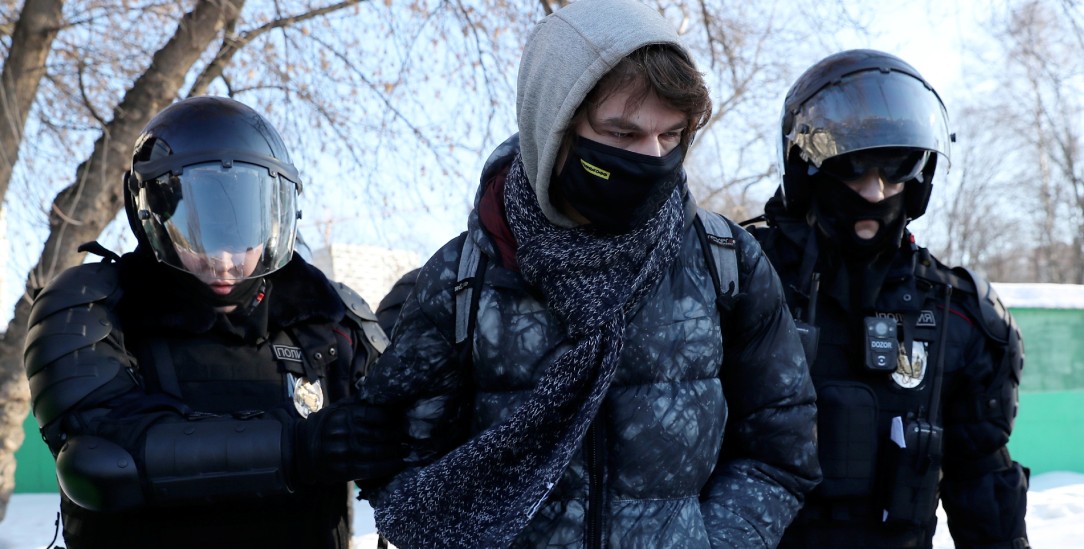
<point x="859" y="100"/>
<point x="212" y="190"/>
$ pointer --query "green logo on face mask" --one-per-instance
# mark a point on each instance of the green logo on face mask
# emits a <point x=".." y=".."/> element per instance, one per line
<point x="595" y="170"/>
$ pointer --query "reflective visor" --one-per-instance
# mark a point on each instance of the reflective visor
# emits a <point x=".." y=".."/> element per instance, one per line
<point x="894" y="165"/>
<point x="217" y="222"/>
<point x="869" y="110"/>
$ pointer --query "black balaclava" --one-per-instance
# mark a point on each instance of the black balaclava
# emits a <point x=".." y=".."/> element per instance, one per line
<point x="837" y="208"/>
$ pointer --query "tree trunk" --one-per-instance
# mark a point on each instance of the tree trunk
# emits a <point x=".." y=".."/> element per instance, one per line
<point x="32" y="39"/>
<point x="83" y="209"/>
<point x="38" y="24"/>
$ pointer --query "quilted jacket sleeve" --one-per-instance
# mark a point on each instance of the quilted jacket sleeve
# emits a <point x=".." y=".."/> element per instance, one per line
<point x="769" y="458"/>
<point x="420" y="371"/>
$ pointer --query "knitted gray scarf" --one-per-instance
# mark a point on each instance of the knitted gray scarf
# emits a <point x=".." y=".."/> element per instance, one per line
<point x="484" y="492"/>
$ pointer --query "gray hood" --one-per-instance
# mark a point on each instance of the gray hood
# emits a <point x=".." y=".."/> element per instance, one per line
<point x="565" y="56"/>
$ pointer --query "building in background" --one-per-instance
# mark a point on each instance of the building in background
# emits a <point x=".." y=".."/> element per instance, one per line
<point x="368" y="270"/>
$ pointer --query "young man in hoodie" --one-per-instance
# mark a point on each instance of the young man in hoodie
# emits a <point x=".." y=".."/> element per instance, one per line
<point x="581" y="368"/>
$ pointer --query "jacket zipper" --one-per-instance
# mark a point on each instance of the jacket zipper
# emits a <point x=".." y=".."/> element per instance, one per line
<point x="593" y="528"/>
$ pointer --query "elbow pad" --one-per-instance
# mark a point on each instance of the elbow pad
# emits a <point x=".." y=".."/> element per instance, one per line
<point x="98" y="475"/>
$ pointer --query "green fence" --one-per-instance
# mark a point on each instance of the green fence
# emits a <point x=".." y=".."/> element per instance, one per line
<point x="34" y="471"/>
<point x="1047" y="431"/>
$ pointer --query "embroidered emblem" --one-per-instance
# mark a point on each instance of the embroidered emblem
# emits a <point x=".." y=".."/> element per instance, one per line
<point x="724" y="241"/>
<point x="283" y="352"/>
<point x="926" y="319"/>
<point x="910" y="371"/>
<point x="308" y="396"/>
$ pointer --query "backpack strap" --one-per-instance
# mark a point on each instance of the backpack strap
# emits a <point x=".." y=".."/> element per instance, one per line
<point x="716" y="241"/>
<point x="720" y="253"/>
<point x="467" y="289"/>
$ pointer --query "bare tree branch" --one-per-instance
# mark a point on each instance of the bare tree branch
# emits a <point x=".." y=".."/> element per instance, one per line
<point x="31" y="40"/>
<point x="231" y="44"/>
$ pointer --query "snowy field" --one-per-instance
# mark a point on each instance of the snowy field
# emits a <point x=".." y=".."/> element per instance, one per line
<point x="1055" y="517"/>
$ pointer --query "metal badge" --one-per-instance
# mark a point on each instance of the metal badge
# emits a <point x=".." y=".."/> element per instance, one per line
<point x="308" y="396"/>
<point x="910" y="371"/>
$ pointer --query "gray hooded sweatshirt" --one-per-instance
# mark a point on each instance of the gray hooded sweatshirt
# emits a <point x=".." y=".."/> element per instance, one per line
<point x="566" y="55"/>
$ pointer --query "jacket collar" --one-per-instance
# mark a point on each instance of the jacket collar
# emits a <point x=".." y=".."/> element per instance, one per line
<point x="296" y="293"/>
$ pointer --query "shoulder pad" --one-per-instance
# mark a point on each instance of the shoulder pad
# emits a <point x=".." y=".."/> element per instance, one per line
<point x="63" y="353"/>
<point x="983" y="302"/>
<point x="79" y="285"/>
<point x="929" y="269"/>
<point x="995" y="317"/>
<point x="86" y="294"/>
<point x="358" y="311"/>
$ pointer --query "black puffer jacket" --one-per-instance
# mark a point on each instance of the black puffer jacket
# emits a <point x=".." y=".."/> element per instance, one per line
<point x="698" y="443"/>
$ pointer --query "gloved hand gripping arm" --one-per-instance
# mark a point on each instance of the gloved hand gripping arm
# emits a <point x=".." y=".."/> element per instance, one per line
<point x="349" y="440"/>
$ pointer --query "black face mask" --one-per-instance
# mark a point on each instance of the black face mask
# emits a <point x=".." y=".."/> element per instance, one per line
<point x="838" y="208"/>
<point x="617" y="190"/>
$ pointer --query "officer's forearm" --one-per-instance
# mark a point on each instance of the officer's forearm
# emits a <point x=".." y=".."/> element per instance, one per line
<point x="183" y="462"/>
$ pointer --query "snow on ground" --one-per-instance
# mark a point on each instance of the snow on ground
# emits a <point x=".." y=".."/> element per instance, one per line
<point x="1055" y="517"/>
<point x="1041" y="296"/>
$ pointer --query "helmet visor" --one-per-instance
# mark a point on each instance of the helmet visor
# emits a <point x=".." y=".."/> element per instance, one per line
<point x="868" y="110"/>
<point x="894" y="165"/>
<point x="220" y="222"/>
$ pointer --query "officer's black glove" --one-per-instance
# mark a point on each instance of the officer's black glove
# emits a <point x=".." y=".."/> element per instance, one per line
<point x="349" y="440"/>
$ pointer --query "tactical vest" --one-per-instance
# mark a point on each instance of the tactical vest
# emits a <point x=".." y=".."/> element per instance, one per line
<point x="290" y="366"/>
<point x="879" y="431"/>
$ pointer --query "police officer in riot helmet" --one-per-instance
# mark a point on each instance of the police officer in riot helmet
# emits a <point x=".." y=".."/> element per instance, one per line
<point x="916" y="364"/>
<point x="200" y="391"/>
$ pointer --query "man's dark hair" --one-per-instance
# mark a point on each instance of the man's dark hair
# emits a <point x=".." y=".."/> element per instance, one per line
<point x="661" y="69"/>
